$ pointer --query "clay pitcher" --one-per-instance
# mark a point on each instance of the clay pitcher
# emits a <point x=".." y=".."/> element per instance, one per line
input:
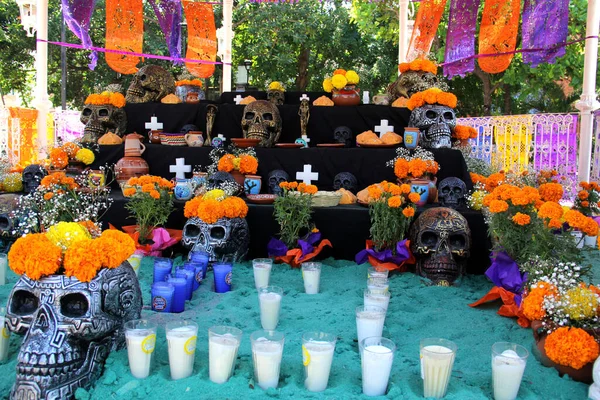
<point x="194" y="139"/>
<point x="132" y="164"/>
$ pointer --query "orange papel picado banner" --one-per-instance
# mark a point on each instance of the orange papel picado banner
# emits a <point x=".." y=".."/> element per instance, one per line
<point x="498" y="34"/>
<point x="124" y="32"/>
<point x="426" y="24"/>
<point x="202" y="37"/>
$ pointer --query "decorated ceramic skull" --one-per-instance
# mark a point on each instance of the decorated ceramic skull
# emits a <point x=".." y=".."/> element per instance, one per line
<point x="411" y="82"/>
<point x="345" y="180"/>
<point x="436" y="123"/>
<point x="261" y="120"/>
<point x="150" y="84"/>
<point x="32" y="176"/>
<point x="343" y="134"/>
<point x="276" y="97"/>
<point x="451" y="192"/>
<point x="275" y="178"/>
<point x="69" y="327"/>
<point x="220" y="179"/>
<point x="100" y="119"/>
<point x="440" y="239"/>
<point x="226" y="238"/>
<point x="189" y="128"/>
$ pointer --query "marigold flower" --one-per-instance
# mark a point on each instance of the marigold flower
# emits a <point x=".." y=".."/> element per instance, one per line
<point x="554" y="224"/>
<point x="394" y="202"/>
<point x="65" y="234"/>
<point x="86" y="156"/>
<point x="70" y="148"/>
<point x="417" y="167"/>
<point x="585" y="203"/>
<point x="583" y="195"/>
<point x="34" y="255"/>
<point x="248" y="164"/>
<point x="128" y="192"/>
<point x="48" y="196"/>
<point x="352" y="77"/>
<point x="521" y="219"/>
<point x="226" y="163"/>
<point x="276" y="85"/>
<point x="432" y="96"/>
<point x="327" y="85"/>
<point x="572" y="347"/>
<point x="494" y="180"/>
<point x="154" y="194"/>
<point x="148" y="187"/>
<point x="405" y="188"/>
<point x="284" y="185"/>
<point x="498" y="206"/>
<point x="310" y="189"/>
<point x="115" y="247"/>
<point x="551" y="191"/>
<point x="189" y="82"/>
<point x="408" y="212"/>
<point x="59" y="158"/>
<point x="112" y="98"/>
<point x="414" y="197"/>
<point x="339" y="81"/>
<point x="550" y="209"/>
<point x="533" y="304"/>
<point x="395" y="190"/>
<point x="293" y="185"/>
<point x="401" y="167"/>
<point x="83" y="260"/>
<point x="374" y="192"/>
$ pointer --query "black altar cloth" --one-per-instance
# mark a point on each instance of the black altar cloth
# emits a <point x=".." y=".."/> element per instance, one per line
<point x="290" y="97"/>
<point x="367" y="164"/>
<point x="346" y="226"/>
<point x="322" y="122"/>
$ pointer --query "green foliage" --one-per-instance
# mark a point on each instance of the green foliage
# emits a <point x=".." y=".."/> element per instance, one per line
<point x="388" y="224"/>
<point x="292" y="213"/>
<point x="149" y="212"/>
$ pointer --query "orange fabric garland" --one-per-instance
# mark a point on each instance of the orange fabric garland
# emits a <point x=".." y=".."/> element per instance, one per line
<point x="124" y="32"/>
<point x="498" y="33"/>
<point x="426" y="24"/>
<point x="202" y="37"/>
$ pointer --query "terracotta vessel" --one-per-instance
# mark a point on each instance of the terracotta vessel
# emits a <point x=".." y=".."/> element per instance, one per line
<point x="132" y="164"/>
<point x="75" y="168"/>
<point x="194" y="139"/>
<point x="238" y="176"/>
<point x="192" y="98"/>
<point x="154" y="136"/>
<point x="347" y="96"/>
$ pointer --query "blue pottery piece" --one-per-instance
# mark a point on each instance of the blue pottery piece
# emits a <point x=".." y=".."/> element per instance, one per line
<point x="302" y="142"/>
<point x="184" y="189"/>
<point x="252" y="184"/>
<point x="421" y="187"/>
<point x="411" y="138"/>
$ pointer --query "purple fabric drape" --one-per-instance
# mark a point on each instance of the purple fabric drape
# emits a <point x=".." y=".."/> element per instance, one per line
<point x="168" y="13"/>
<point x="504" y="272"/>
<point x="460" y="39"/>
<point x="77" y="15"/>
<point x="545" y="26"/>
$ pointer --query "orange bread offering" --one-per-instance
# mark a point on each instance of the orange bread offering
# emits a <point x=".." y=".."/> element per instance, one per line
<point x="170" y="99"/>
<point x="323" y="101"/>
<point x="400" y="102"/>
<point x="247" y="100"/>
<point x="347" y="196"/>
<point x="368" y="137"/>
<point x="391" y="138"/>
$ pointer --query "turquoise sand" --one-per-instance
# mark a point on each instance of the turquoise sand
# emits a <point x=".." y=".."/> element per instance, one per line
<point x="415" y="312"/>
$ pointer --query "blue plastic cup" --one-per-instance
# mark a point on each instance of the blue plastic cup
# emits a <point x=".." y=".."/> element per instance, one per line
<point x="162" y="296"/>
<point x="222" y="273"/>
<point x="201" y="258"/>
<point x="179" y="295"/>
<point x="162" y="268"/>
<point x="190" y="278"/>
<point x="197" y="270"/>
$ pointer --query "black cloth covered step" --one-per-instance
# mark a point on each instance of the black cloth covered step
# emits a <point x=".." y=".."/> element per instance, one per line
<point x="290" y="97"/>
<point x="346" y="226"/>
<point x="367" y="164"/>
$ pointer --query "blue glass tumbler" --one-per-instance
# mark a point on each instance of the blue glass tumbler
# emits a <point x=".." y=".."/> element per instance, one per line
<point x="162" y="268"/>
<point x="201" y="258"/>
<point x="190" y="278"/>
<point x="197" y="270"/>
<point x="222" y="273"/>
<point x="162" y="296"/>
<point x="179" y="296"/>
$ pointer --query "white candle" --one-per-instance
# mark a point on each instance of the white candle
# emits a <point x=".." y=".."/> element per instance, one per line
<point x="182" y="349"/>
<point x="507" y="373"/>
<point x="377" y="299"/>
<point x="222" y="353"/>
<point x="3" y="268"/>
<point x="135" y="260"/>
<point x="378" y="285"/>
<point x="140" y="346"/>
<point x="270" y="304"/>
<point x="311" y="273"/>
<point x="4" y="340"/>
<point x="262" y="273"/>
<point x="317" y="358"/>
<point x="267" y="355"/>
<point x="376" y="365"/>
<point x="436" y="364"/>
<point x="369" y="321"/>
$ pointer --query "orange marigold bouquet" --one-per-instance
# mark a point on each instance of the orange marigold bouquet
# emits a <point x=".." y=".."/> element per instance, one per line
<point x="293" y="210"/>
<point x="432" y="96"/>
<point x="416" y="164"/>
<point x="214" y="205"/>
<point x="463" y="132"/>
<point x="150" y="202"/>
<point x="587" y="201"/>
<point x="37" y="255"/>
<point x="246" y="164"/>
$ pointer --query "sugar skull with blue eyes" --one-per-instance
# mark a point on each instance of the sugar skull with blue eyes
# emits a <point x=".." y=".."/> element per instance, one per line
<point x="217" y="142"/>
<point x="302" y="142"/>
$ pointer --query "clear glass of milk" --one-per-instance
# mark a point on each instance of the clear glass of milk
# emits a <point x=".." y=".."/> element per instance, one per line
<point x="3" y="268"/>
<point x="377" y="299"/>
<point x="267" y="350"/>
<point x="317" y="356"/>
<point x="311" y="274"/>
<point x="269" y="298"/>
<point x="378" y="285"/>
<point x="508" y="364"/>
<point x="4" y="336"/>
<point x="369" y="321"/>
<point x="437" y="359"/>
<point x="140" y="335"/>
<point x="376" y="358"/>
<point x="373" y="273"/>
<point x="223" y="344"/>
<point x="181" y="340"/>
<point x="262" y="271"/>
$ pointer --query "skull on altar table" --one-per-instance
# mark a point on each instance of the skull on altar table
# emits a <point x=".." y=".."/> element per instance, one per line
<point x="227" y="238"/>
<point x="150" y="84"/>
<point x="261" y="120"/>
<point x="101" y="114"/>
<point x="451" y="192"/>
<point x="440" y="240"/>
<point x="433" y="113"/>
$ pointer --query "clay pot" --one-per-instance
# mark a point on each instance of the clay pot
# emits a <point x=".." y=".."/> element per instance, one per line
<point x="238" y="176"/>
<point x="192" y="98"/>
<point x="75" y="168"/>
<point x="347" y="96"/>
<point x="194" y="139"/>
<point x="584" y="374"/>
<point x="154" y="137"/>
<point x="128" y="167"/>
<point x="252" y="184"/>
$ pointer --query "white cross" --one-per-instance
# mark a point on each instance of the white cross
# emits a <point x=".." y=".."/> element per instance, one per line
<point x="223" y="138"/>
<point x="307" y="175"/>
<point x="384" y="127"/>
<point x="238" y="99"/>
<point x="154" y="125"/>
<point x="306" y="139"/>
<point x="180" y="168"/>
<point x="304" y="97"/>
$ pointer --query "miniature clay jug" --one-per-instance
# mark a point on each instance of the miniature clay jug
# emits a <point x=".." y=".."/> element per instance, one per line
<point x="194" y="139"/>
<point x="132" y="164"/>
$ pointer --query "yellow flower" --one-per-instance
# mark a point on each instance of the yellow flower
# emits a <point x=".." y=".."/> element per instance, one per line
<point x="236" y="163"/>
<point x="64" y="234"/>
<point x="580" y="303"/>
<point x="215" y="194"/>
<point x="352" y="77"/>
<point x="275" y="85"/>
<point x="339" y="81"/>
<point x="327" y="85"/>
<point x="86" y="156"/>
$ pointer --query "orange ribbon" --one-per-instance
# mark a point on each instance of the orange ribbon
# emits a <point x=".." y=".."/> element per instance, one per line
<point x="124" y="32"/>
<point x="508" y="309"/>
<point x="498" y="33"/>
<point x="426" y="24"/>
<point x="202" y="37"/>
<point x="294" y="256"/>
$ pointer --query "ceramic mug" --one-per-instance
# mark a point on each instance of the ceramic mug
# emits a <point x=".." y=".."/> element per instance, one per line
<point x="194" y="139"/>
<point x="411" y="138"/>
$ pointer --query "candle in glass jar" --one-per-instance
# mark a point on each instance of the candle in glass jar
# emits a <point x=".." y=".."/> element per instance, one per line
<point x="267" y="351"/>
<point x="181" y="341"/>
<point x="262" y="271"/>
<point x="369" y="321"/>
<point x="508" y="365"/>
<point x="437" y="359"/>
<point x="317" y="357"/>
<point x="223" y="344"/>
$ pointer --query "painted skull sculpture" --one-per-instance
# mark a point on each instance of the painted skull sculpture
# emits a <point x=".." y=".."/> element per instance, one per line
<point x="343" y="134"/>
<point x="150" y="84"/>
<point x="226" y="238"/>
<point x="275" y="178"/>
<point x="189" y="128"/>
<point x="69" y="327"/>
<point x="276" y="97"/>
<point x="100" y="119"/>
<point x="261" y="120"/>
<point x="436" y="123"/>
<point x="411" y="82"/>
<point x="440" y="239"/>
<point x="220" y="179"/>
<point x="32" y="176"/>
<point x="345" y="180"/>
<point x="451" y="192"/>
